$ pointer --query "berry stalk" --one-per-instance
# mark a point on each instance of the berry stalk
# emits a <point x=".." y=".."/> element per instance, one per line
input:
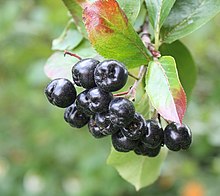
<point x="72" y="54"/>
<point x="132" y="92"/>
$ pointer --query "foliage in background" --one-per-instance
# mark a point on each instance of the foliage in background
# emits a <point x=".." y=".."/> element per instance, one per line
<point x="41" y="155"/>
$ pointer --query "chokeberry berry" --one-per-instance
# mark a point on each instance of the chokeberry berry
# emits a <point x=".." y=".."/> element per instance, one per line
<point x="103" y="121"/>
<point x="177" y="136"/>
<point x="83" y="73"/>
<point x="94" y="129"/>
<point x="60" y="92"/>
<point x="98" y="99"/>
<point x="82" y="103"/>
<point x="153" y="136"/>
<point x="142" y="149"/>
<point x="121" y="143"/>
<point x="121" y="111"/>
<point x="75" y="117"/>
<point x="136" y="128"/>
<point x="110" y="75"/>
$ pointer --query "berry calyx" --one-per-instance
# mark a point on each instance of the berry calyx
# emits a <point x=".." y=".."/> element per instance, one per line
<point x="98" y="100"/>
<point x="142" y="149"/>
<point x="110" y="75"/>
<point x="74" y="117"/>
<point x="177" y="136"/>
<point x="153" y="136"/>
<point x="83" y="73"/>
<point x="94" y="129"/>
<point x="103" y="121"/>
<point x="121" y="111"/>
<point x="136" y="128"/>
<point x="122" y="144"/>
<point x="60" y="92"/>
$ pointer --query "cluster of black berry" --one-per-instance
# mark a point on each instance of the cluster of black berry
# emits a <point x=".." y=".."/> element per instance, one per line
<point x="109" y="115"/>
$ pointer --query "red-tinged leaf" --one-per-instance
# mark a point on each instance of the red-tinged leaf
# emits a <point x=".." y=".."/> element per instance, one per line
<point x="165" y="90"/>
<point x="112" y="35"/>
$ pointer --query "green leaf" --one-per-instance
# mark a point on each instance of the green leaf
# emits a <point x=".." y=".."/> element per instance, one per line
<point x="141" y="18"/>
<point x="185" y="64"/>
<point x="140" y="171"/>
<point x="69" y="39"/>
<point x="142" y="102"/>
<point x="75" y="9"/>
<point x="187" y="16"/>
<point x="58" y="66"/>
<point x="158" y="10"/>
<point x="112" y="35"/>
<point x="131" y="8"/>
<point x="164" y="89"/>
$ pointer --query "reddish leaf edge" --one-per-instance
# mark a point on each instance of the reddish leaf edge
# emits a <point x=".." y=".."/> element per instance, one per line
<point x="182" y="94"/>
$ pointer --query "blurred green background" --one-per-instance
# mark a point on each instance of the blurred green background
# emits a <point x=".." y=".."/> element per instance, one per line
<point x="41" y="155"/>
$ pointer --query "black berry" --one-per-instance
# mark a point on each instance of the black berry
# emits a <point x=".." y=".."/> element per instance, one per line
<point x="136" y="128"/>
<point x="177" y="136"/>
<point x="83" y="73"/>
<point x="110" y="75"/>
<point x="121" y="111"/>
<point x="153" y="136"/>
<point x="103" y="121"/>
<point x="122" y="144"/>
<point x="75" y="117"/>
<point x="60" y="92"/>
<point x="82" y="103"/>
<point x="98" y="99"/>
<point x="94" y="129"/>
<point x="142" y="149"/>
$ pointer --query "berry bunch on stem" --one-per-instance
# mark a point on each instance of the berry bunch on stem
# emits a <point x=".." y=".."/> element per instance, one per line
<point x="114" y="115"/>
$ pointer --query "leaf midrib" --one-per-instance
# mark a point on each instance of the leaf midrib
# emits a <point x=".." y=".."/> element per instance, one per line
<point x="158" y="17"/>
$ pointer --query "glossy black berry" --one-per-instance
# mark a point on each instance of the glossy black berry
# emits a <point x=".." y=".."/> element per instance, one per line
<point x="122" y="144"/>
<point x="136" y="128"/>
<point x="177" y="136"/>
<point x="110" y="75"/>
<point x="142" y="149"/>
<point x="153" y="136"/>
<point x="94" y="129"/>
<point x="121" y="111"/>
<point x="103" y="121"/>
<point x="60" y="92"/>
<point x="83" y="73"/>
<point x="98" y="100"/>
<point x="82" y="103"/>
<point x="75" y="117"/>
